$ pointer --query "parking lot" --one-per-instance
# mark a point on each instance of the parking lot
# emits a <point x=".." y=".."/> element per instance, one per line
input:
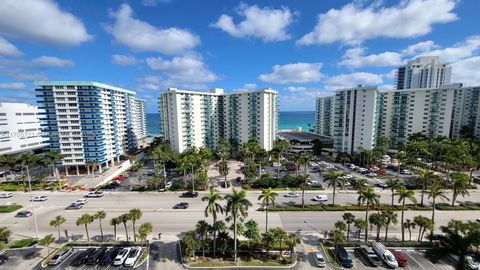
<point x="25" y="258"/>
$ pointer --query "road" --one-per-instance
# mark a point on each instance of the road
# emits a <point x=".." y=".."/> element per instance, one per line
<point x="157" y="208"/>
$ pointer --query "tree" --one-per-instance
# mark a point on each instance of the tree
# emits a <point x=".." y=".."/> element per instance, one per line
<point x="349" y="218"/>
<point x="124" y="219"/>
<point x="54" y="156"/>
<point x="403" y="195"/>
<point x="292" y="240"/>
<point x="224" y="170"/>
<point x="144" y="230"/>
<point x="378" y="220"/>
<point x="100" y="215"/>
<point x="360" y="224"/>
<point x="29" y="160"/>
<point x="436" y="191"/>
<point x="425" y="177"/>
<point x="134" y="215"/>
<point x="332" y="178"/>
<point x="390" y="217"/>
<point x="56" y="222"/>
<point x="201" y="229"/>
<point x="212" y="208"/>
<point x="280" y="235"/>
<point x="423" y="224"/>
<point x="409" y="225"/>
<point x="237" y="206"/>
<point x="369" y="197"/>
<point x="47" y="241"/>
<point x="190" y="243"/>
<point x="5" y="234"/>
<point x="281" y="147"/>
<point x="459" y="185"/>
<point x="93" y="164"/>
<point x="267" y="238"/>
<point x="223" y="149"/>
<point x="114" y="222"/>
<point x="162" y="154"/>
<point x="252" y="233"/>
<point x="303" y="185"/>
<point x="268" y="197"/>
<point x="393" y="184"/>
<point x="85" y="219"/>
<point x="305" y="159"/>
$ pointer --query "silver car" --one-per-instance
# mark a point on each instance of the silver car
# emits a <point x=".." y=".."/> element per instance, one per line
<point x="60" y="256"/>
<point x="319" y="260"/>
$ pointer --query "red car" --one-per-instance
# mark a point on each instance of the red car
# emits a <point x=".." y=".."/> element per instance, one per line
<point x="120" y="178"/>
<point x="401" y="258"/>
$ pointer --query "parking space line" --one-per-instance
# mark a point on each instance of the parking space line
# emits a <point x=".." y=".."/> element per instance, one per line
<point x="419" y="264"/>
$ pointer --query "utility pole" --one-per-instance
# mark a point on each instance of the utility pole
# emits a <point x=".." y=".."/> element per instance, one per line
<point x="32" y="202"/>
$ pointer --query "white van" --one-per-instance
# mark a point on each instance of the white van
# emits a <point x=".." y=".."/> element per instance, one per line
<point x="385" y="255"/>
<point x="320" y="198"/>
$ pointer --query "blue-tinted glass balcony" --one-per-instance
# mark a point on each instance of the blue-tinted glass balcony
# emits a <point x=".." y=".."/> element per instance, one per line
<point x="89" y="107"/>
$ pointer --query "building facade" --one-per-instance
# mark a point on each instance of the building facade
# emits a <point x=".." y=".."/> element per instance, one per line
<point x="190" y="118"/>
<point x="90" y="121"/>
<point x="324" y="115"/>
<point x="466" y="114"/>
<point x="20" y="129"/>
<point x="423" y="72"/>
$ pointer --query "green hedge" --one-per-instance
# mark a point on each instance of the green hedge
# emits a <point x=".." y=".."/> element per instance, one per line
<point x="23" y="243"/>
<point x="9" y="208"/>
<point x="387" y="243"/>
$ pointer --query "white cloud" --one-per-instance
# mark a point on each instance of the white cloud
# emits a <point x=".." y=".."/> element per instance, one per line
<point x="8" y="49"/>
<point x="142" y="36"/>
<point x="355" y="23"/>
<point x="250" y="86"/>
<point x="352" y="80"/>
<point x="125" y="60"/>
<point x="153" y="3"/>
<point x="296" y="88"/>
<point x="41" y="21"/>
<point x="458" y="51"/>
<point x="356" y="58"/>
<point x="301" y="100"/>
<point x="13" y="86"/>
<point x="420" y="47"/>
<point x="188" y="68"/>
<point x="466" y="71"/>
<point x="265" y="23"/>
<point x="51" y="61"/>
<point x="294" y="73"/>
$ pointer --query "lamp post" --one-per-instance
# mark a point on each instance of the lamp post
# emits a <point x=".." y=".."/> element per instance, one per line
<point x="32" y="202"/>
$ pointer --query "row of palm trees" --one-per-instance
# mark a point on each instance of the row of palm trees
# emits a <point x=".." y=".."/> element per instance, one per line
<point x="133" y="215"/>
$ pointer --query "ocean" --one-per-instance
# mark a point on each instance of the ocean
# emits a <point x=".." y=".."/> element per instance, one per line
<point x="287" y="120"/>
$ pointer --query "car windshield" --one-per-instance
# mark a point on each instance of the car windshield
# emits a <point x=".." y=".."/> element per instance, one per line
<point x="133" y="254"/>
<point x="55" y="257"/>
<point x="390" y="257"/>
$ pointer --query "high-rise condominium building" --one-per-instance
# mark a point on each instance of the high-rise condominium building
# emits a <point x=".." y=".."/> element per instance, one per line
<point x="20" y="129"/>
<point x="466" y="113"/>
<point x="423" y="72"/>
<point x="190" y="118"/>
<point x="90" y="121"/>
<point x="324" y="115"/>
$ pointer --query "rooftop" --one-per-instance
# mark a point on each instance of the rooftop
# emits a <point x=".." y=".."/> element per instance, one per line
<point x="301" y="136"/>
<point x="84" y="83"/>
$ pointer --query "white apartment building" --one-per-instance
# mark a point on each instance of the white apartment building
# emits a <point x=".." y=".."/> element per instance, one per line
<point x="20" y="129"/>
<point x="90" y="121"/>
<point x="191" y="118"/>
<point x="423" y="72"/>
<point x="466" y="113"/>
<point x="324" y="115"/>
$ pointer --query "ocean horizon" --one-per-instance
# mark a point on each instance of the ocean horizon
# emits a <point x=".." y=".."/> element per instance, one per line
<point x="287" y="120"/>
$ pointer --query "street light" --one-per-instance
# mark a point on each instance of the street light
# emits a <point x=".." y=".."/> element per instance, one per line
<point x="32" y="202"/>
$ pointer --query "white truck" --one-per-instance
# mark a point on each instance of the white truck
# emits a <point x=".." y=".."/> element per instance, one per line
<point x="385" y="255"/>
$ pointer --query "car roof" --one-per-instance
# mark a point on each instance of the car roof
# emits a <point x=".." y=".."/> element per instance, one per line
<point x="318" y="255"/>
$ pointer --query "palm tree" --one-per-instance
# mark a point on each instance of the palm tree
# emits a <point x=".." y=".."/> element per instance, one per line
<point x="213" y="207"/>
<point x="100" y="215"/>
<point x="124" y="219"/>
<point x="162" y="154"/>
<point x="393" y="184"/>
<point x="360" y="224"/>
<point x="144" y="230"/>
<point x="305" y="159"/>
<point x="403" y="195"/>
<point x="237" y="206"/>
<point x="425" y="177"/>
<point x="29" y="160"/>
<point x="54" y="156"/>
<point x="280" y="236"/>
<point x="268" y="197"/>
<point x="56" y="222"/>
<point x="114" y="222"/>
<point x="85" y="219"/>
<point x="349" y="218"/>
<point x="224" y="170"/>
<point x="390" y="217"/>
<point x="459" y="185"/>
<point x="369" y="197"/>
<point x="135" y="214"/>
<point x="93" y="165"/>
<point x="46" y="242"/>
<point x="378" y="220"/>
<point x="202" y="229"/>
<point x="409" y="225"/>
<point x="332" y="178"/>
<point x="436" y="191"/>
<point x="252" y="233"/>
<point x="303" y="185"/>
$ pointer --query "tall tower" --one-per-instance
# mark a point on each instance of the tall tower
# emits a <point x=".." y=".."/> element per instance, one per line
<point x="423" y="72"/>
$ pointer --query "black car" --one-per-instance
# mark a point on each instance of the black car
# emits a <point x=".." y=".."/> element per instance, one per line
<point x="190" y="194"/>
<point x="95" y="257"/>
<point x="109" y="256"/>
<point x="182" y="205"/>
<point x="82" y="258"/>
<point x="23" y="214"/>
<point x="3" y="259"/>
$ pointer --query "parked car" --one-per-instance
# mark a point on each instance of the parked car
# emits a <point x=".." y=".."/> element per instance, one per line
<point x="109" y="256"/>
<point x="363" y="170"/>
<point x="385" y="255"/>
<point x="381" y="184"/>
<point x="95" y="257"/>
<point x="150" y="173"/>
<point x="291" y="194"/>
<point x="82" y="257"/>
<point x="368" y="255"/>
<point x="74" y="206"/>
<point x="23" y="214"/>
<point x="121" y="256"/>
<point x="3" y="259"/>
<point x="111" y="185"/>
<point x="94" y="194"/>
<point x="168" y="185"/>
<point x="343" y="257"/>
<point x="40" y="198"/>
<point x="6" y="195"/>
<point x="120" y="178"/>
<point x="320" y="198"/>
<point x="314" y="183"/>
<point x="81" y="201"/>
<point x="132" y="256"/>
<point x="319" y="260"/>
<point x="60" y="256"/>
<point x="406" y="172"/>
<point x="190" y="194"/>
<point x="400" y="257"/>
<point x="182" y="205"/>
<point x="371" y="174"/>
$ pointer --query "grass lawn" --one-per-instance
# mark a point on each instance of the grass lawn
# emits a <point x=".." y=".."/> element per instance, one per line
<point x="23" y="243"/>
<point x="219" y="263"/>
<point x="9" y="208"/>
<point x="331" y="257"/>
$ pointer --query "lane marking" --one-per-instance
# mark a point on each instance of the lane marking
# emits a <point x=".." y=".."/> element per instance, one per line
<point x="419" y="264"/>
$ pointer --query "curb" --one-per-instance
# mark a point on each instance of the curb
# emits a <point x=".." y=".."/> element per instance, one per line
<point x="328" y="258"/>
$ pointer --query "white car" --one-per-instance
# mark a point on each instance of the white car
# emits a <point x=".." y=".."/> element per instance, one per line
<point x="291" y="194"/>
<point x="362" y="170"/>
<point x="121" y="256"/>
<point x="320" y="198"/>
<point x="81" y="201"/>
<point x="406" y="172"/>
<point x="132" y="256"/>
<point x="276" y="164"/>
<point x="168" y="185"/>
<point x="319" y="260"/>
<point x="381" y="184"/>
<point x="6" y="195"/>
<point x="349" y="177"/>
<point x="371" y="174"/>
<point x="313" y="183"/>
<point x="40" y="198"/>
<point x="94" y="194"/>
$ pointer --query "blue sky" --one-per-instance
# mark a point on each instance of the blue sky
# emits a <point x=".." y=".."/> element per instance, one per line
<point x="303" y="49"/>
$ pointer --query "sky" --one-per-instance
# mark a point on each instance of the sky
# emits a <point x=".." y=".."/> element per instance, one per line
<point x="302" y="49"/>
